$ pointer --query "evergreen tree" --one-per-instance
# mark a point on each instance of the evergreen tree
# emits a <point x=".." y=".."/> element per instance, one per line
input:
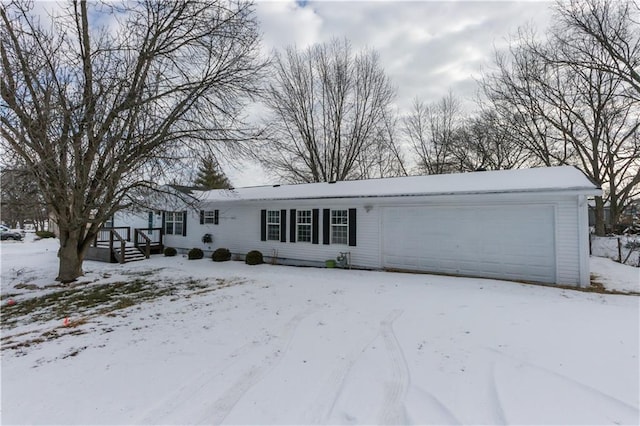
<point x="211" y="176"/>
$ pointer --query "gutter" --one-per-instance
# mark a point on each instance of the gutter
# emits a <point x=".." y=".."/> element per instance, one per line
<point x="543" y="191"/>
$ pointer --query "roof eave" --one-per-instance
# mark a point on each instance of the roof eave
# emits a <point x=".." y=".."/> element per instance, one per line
<point x="565" y="191"/>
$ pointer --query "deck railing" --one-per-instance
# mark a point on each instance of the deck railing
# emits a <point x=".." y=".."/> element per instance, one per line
<point x="103" y="235"/>
<point x="147" y="238"/>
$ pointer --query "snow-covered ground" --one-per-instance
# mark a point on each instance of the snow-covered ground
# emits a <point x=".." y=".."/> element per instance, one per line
<point x="231" y="343"/>
<point x="608" y="247"/>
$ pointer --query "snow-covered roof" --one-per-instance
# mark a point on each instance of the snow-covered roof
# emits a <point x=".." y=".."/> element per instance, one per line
<point x="544" y="179"/>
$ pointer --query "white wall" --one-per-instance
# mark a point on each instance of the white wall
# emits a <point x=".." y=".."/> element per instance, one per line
<point x="239" y="228"/>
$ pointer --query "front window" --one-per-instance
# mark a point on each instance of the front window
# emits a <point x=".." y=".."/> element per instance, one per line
<point x="339" y="226"/>
<point x="173" y="223"/>
<point x="209" y="217"/>
<point x="273" y="225"/>
<point x="303" y="225"/>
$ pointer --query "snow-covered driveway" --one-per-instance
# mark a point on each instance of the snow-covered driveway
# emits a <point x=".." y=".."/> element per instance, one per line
<point x="285" y="345"/>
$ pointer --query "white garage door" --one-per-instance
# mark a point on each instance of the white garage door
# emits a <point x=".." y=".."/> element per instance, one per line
<point x="511" y="242"/>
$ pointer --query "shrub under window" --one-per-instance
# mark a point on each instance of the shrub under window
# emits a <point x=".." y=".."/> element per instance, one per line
<point x="221" y="255"/>
<point x="195" y="253"/>
<point x="254" y="257"/>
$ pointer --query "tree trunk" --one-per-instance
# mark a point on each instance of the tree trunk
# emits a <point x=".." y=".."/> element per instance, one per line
<point x="71" y="256"/>
<point x="599" y="215"/>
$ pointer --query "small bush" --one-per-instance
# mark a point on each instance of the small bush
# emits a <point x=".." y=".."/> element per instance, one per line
<point x="221" y="255"/>
<point x="45" y="234"/>
<point x="254" y="257"/>
<point x="170" y="251"/>
<point x="195" y="253"/>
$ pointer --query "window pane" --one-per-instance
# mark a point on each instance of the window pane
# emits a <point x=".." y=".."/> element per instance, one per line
<point x="339" y="217"/>
<point x="273" y="216"/>
<point x="273" y="225"/>
<point x="303" y="228"/>
<point x="208" y="217"/>
<point x="339" y="226"/>
<point x="339" y="234"/>
<point x="304" y="233"/>
<point x="304" y="216"/>
<point x="178" y="228"/>
<point x="273" y="232"/>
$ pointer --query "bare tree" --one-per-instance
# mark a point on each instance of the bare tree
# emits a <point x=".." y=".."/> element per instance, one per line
<point x="384" y="157"/>
<point x="485" y="142"/>
<point x="515" y="91"/>
<point x="21" y="200"/>
<point x="586" y="118"/>
<point x="614" y="26"/>
<point x="432" y="131"/>
<point x="108" y="97"/>
<point x="329" y="107"/>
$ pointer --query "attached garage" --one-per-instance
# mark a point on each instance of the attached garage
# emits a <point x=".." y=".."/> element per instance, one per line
<point x="524" y="225"/>
<point x="499" y="241"/>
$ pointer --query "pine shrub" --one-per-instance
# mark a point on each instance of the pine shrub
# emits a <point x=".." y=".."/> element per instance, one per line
<point x="45" y="234"/>
<point x="195" y="253"/>
<point x="254" y="257"/>
<point x="170" y="251"/>
<point x="221" y="255"/>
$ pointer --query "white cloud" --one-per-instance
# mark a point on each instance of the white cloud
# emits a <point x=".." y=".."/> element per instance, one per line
<point x="426" y="47"/>
<point x="286" y="23"/>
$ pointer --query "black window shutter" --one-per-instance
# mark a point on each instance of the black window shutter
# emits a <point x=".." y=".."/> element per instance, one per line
<point x="184" y="223"/>
<point x="292" y="227"/>
<point x="164" y="228"/>
<point x="263" y="225"/>
<point x="352" y="227"/>
<point x="315" y="215"/>
<point x="283" y="226"/>
<point x="326" y="226"/>
<point x="216" y="217"/>
<point x="201" y="217"/>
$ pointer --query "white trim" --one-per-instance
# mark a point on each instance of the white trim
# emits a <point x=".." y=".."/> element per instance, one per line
<point x="583" y="241"/>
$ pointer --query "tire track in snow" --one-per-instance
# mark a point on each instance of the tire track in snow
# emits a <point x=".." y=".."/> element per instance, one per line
<point x="223" y="406"/>
<point x="393" y="410"/>
<point x="188" y="389"/>
<point x="606" y="396"/>
<point x="323" y="410"/>
<point x="496" y="401"/>
<point x="430" y="403"/>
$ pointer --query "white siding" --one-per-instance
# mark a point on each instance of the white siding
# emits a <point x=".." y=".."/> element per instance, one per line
<point x="498" y="241"/>
<point x="568" y="250"/>
<point x="131" y="219"/>
<point x="239" y="231"/>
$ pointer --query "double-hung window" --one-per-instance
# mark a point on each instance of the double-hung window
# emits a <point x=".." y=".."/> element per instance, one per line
<point x="339" y="226"/>
<point x="273" y="225"/>
<point x="173" y="223"/>
<point x="209" y="216"/>
<point x="303" y="225"/>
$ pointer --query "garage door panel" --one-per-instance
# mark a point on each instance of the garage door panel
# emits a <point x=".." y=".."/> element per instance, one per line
<point x="506" y="241"/>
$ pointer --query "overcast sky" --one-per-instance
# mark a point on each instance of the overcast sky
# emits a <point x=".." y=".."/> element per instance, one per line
<point x="426" y="47"/>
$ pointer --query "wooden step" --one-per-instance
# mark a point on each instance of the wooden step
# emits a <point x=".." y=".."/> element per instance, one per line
<point x="131" y="254"/>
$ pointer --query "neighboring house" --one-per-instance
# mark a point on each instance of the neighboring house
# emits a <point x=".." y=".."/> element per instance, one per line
<point x="523" y="225"/>
<point x="592" y="213"/>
